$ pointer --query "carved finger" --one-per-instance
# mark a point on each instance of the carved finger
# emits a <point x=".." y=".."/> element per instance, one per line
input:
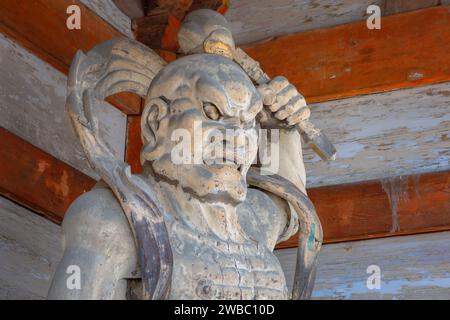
<point x="299" y="116"/>
<point x="283" y="97"/>
<point x="279" y="83"/>
<point x="295" y="104"/>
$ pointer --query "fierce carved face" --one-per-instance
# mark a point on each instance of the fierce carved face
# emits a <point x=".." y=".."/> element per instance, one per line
<point x="202" y="107"/>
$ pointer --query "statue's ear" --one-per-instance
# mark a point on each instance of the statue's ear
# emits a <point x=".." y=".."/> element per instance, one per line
<point x="154" y="110"/>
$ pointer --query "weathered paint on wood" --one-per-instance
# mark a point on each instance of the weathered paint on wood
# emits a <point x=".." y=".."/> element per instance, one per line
<point x="38" y="180"/>
<point x="382" y="135"/>
<point x="108" y="10"/>
<point x="30" y="249"/>
<point x="32" y="106"/>
<point x="410" y="49"/>
<point x="412" y="267"/>
<point x="393" y="206"/>
<point x="255" y="20"/>
<point x="47" y="36"/>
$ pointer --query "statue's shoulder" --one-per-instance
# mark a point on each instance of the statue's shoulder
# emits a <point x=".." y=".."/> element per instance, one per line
<point x="99" y="203"/>
<point x="97" y="217"/>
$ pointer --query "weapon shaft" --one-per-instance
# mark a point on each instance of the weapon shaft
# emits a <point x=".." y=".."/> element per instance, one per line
<point x="311" y="135"/>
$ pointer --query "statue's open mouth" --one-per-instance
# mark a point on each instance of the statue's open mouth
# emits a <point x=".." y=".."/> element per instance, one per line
<point x="230" y="158"/>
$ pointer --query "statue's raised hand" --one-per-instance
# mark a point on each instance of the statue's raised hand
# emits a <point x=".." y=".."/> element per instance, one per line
<point x="284" y="105"/>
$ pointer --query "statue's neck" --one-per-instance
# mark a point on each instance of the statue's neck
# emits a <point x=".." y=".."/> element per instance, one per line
<point x="218" y="218"/>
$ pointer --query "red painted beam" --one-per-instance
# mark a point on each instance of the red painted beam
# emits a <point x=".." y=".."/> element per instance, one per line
<point x="410" y="49"/>
<point x="37" y="180"/>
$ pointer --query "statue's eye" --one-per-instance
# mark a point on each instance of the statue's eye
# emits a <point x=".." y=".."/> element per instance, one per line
<point x="211" y="111"/>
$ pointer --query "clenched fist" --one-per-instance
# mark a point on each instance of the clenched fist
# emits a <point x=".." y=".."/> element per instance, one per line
<point x="284" y="105"/>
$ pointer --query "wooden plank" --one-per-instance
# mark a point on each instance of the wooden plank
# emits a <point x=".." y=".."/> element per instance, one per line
<point x="381" y="135"/>
<point x="399" y="6"/>
<point x="111" y="13"/>
<point x="373" y="209"/>
<point x="412" y="267"/>
<point x="30" y="249"/>
<point x="47" y="36"/>
<point x="256" y="20"/>
<point x="32" y="106"/>
<point x="38" y="180"/>
<point x="411" y="49"/>
<point x="132" y="8"/>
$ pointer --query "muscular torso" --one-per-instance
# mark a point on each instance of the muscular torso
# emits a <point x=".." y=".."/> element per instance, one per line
<point x="216" y="256"/>
<point x="219" y="257"/>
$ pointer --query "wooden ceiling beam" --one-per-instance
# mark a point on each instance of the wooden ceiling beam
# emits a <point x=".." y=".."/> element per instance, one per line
<point x="40" y="26"/>
<point x="375" y="209"/>
<point x="37" y="180"/>
<point x="410" y="49"/>
<point x="131" y="8"/>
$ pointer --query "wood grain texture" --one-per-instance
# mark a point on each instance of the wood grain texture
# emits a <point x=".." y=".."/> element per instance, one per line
<point x="32" y="106"/>
<point x="373" y="209"/>
<point x="399" y="6"/>
<point x="30" y="249"/>
<point x="410" y="49"/>
<point x="108" y="10"/>
<point x="131" y="8"/>
<point x="37" y="180"/>
<point x="256" y="20"/>
<point x="47" y="36"/>
<point x="412" y="267"/>
<point x="381" y="135"/>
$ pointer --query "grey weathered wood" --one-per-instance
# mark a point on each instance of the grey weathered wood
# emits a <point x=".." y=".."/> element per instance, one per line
<point x="398" y="6"/>
<point x="255" y="20"/>
<point x="412" y="267"/>
<point x="30" y="249"/>
<point x="381" y="135"/>
<point x="111" y="14"/>
<point x="32" y="106"/>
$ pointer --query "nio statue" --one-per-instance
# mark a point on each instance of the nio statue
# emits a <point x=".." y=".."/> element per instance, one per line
<point x="204" y="227"/>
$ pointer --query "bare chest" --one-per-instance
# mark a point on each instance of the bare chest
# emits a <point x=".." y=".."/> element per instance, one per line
<point x="210" y="268"/>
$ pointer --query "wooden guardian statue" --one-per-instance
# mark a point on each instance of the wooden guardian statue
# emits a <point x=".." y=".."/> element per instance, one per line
<point x="203" y="219"/>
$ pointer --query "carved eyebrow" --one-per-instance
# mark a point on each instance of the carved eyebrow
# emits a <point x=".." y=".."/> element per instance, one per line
<point x="211" y="93"/>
